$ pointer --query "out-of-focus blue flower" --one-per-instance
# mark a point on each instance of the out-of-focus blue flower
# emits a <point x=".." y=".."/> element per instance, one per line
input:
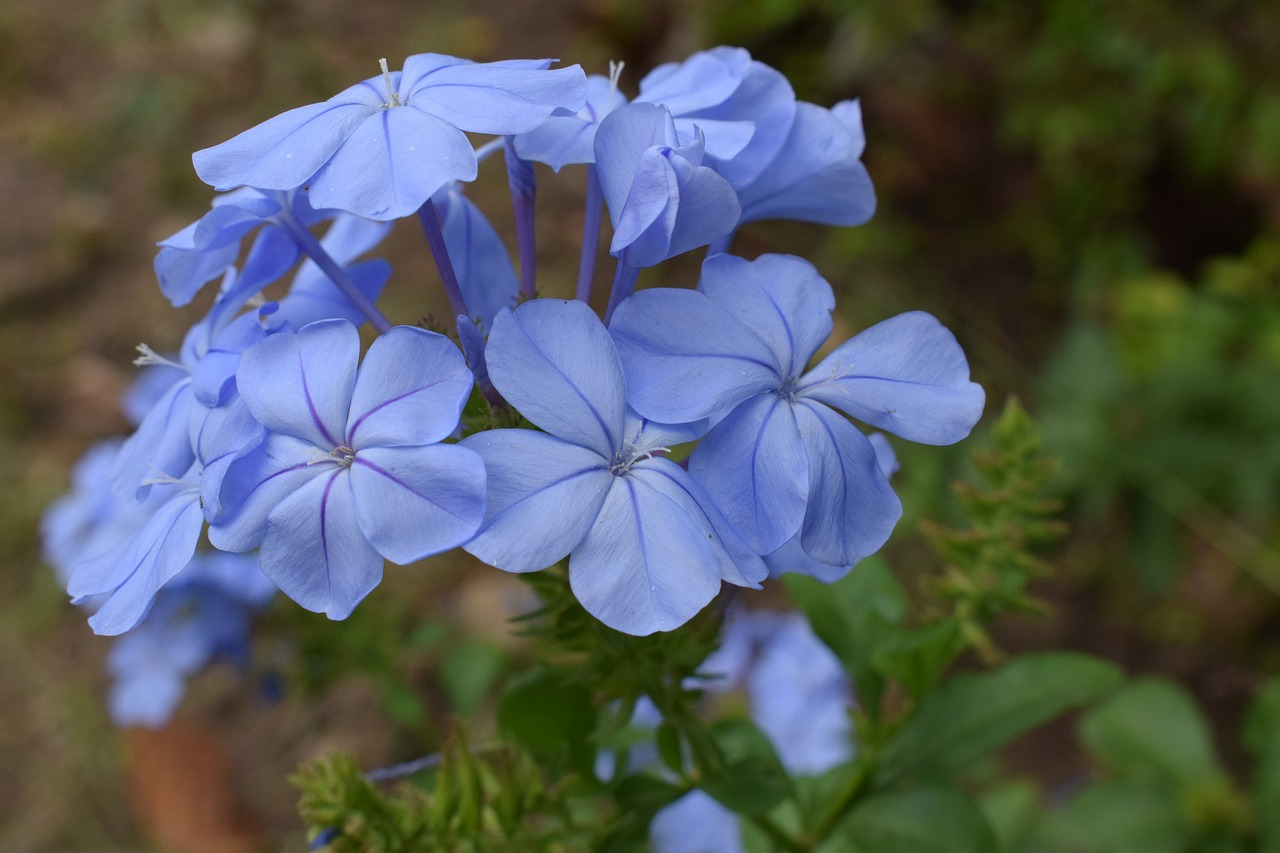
<point x="351" y="469"/>
<point x="782" y="459"/>
<point x="817" y="175"/>
<point x="132" y="567"/>
<point x="91" y="517"/>
<point x="567" y="140"/>
<point x="383" y="147"/>
<point x="662" y="201"/>
<point x="645" y="553"/>
<point x="797" y="693"/>
<point x="201" y="615"/>
<point x="696" y="823"/>
<point x="744" y="107"/>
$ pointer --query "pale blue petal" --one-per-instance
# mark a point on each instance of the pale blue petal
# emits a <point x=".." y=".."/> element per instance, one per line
<point x="792" y="558"/>
<point x="686" y="357"/>
<point x="708" y="208"/>
<point x="816" y="176"/>
<point x="646" y="215"/>
<point x="906" y="375"/>
<point x="753" y="465"/>
<point x="223" y="435"/>
<point x="392" y="163"/>
<point x="411" y="390"/>
<point x="494" y="97"/>
<point x="283" y="152"/>
<point x="213" y="378"/>
<point x="735" y="561"/>
<point x="646" y="565"/>
<point x="724" y="140"/>
<point x="151" y="556"/>
<point x="256" y="482"/>
<point x="413" y="502"/>
<point x="621" y="141"/>
<point x="543" y="496"/>
<point x="561" y="141"/>
<point x="480" y="259"/>
<point x="849" y="113"/>
<point x="300" y="385"/>
<point x="315" y="551"/>
<point x="315" y="297"/>
<point x="555" y="362"/>
<point x="160" y="445"/>
<point x="852" y="509"/>
<point x="781" y="298"/>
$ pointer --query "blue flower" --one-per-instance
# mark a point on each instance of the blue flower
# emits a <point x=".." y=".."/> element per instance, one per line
<point x="201" y="615"/>
<point x="781" y="458"/>
<point x="565" y="140"/>
<point x="351" y="469"/>
<point x="382" y="147"/>
<point x="645" y="551"/>
<point x="817" y="175"/>
<point x="662" y="200"/>
<point x="744" y="107"/>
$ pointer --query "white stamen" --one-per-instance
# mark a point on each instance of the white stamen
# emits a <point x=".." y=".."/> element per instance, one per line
<point x="151" y="357"/>
<point x="615" y="72"/>
<point x="393" y="100"/>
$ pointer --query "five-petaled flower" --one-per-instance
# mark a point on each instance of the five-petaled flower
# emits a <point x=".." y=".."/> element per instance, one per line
<point x="352" y="469"/>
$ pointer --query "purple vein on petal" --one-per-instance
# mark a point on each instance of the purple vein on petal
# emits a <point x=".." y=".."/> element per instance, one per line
<point x="324" y="527"/>
<point x="351" y="433"/>
<point x="406" y="487"/>
<point x="311" y="407"/>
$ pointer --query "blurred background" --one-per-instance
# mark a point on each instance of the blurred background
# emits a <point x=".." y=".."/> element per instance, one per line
<point x="1087" y="192"/>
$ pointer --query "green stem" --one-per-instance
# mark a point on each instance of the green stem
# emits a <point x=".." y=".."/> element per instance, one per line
<point x="840" y="804"/>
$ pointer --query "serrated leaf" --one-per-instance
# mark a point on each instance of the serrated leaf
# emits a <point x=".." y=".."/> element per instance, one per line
<point x="971" y="716"/>
<point x="923" y="820"/>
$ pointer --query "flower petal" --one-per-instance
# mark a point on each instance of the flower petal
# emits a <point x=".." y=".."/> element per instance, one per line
<point x="686" y="357"/>
<point x="646" y="565"/>
<point x="852" y="509"/>
<point x="256" y="483"/>
<point x="492" y="97"/>
<point x="392" y="163"/>
<point x="781" y="298"/>
<point x="316" y="552"/>
<point x="411" y="390"/>
<point x="413" y="502"/>
<point x="143" y="563"/>
<point x="285" y="151"/>
<point x="753" y="465"/>
<point x="543" y="496"/>
<point x="555" y="362"/>
<point x="906" y="375"/>
<point x="301" y="384"/>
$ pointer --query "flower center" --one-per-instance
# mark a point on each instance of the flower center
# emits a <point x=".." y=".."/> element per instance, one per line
<point x="344" y="455"/>
<point x="787" y="390"/>
<point x="624" y="459"/>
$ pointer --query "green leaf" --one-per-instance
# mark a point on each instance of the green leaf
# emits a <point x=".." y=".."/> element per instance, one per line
<point x="668" y="742"/>
<point x="972" y="716"/>
<point x="1262" y="737"/>
<point x="1123" y="816"/>
<point x="753" y="779"/>
<point x="917" y="657"/>
<point x="856" y="616"/>
<point x="1011" y="811"/>
<point x="468" y="672"/>
<point x="1152" y="727"/>
<point x="545" y="714"/>
<point x="923" y="820"/>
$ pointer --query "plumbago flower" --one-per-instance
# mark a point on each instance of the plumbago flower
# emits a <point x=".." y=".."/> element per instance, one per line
<point x="351" y="469"/>
<point x="381" y="148"/>
<point x="781" y="458"/>
<point x="662" y="200"/>
<point x="646" y="550"/>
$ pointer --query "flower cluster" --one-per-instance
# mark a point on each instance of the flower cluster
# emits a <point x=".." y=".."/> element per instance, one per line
<point x="680" y="440"/>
